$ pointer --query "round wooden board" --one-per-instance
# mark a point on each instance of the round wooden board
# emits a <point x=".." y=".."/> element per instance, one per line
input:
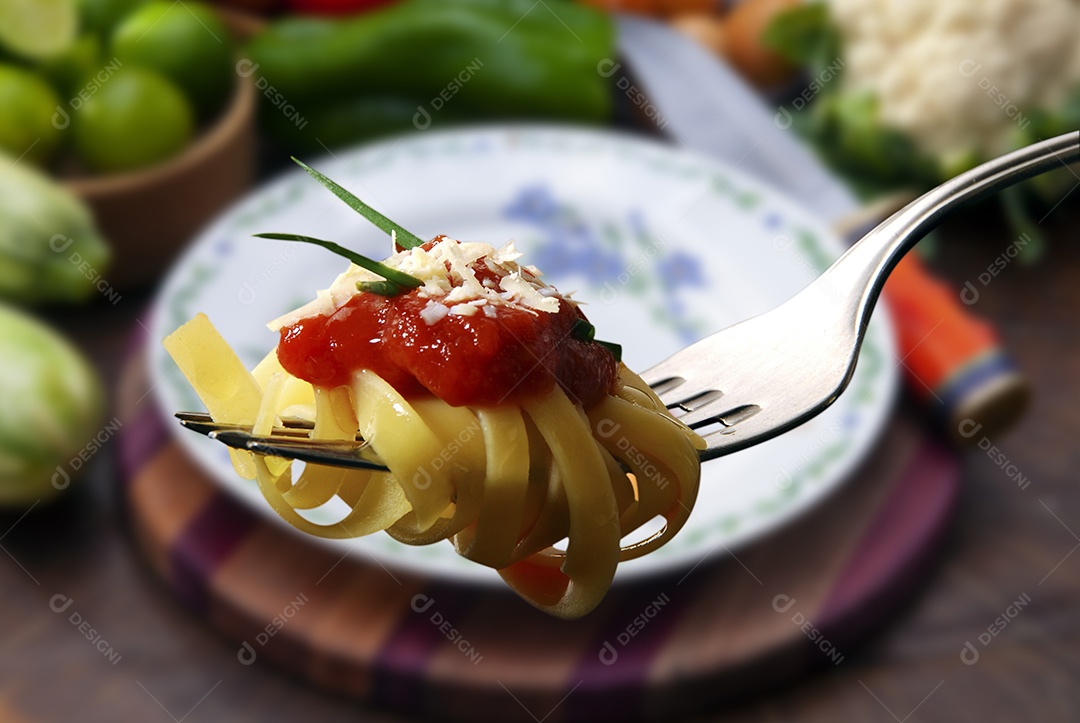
<point x="736" y="624"/>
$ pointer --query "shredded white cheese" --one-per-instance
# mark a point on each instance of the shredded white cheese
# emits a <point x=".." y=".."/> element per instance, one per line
<point x="528" y="293"/>
<point x="434" y="312"/>
<point x="449" y="283"/>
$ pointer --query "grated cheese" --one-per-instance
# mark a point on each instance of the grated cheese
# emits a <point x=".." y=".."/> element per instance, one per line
<point x="450" y="283"/>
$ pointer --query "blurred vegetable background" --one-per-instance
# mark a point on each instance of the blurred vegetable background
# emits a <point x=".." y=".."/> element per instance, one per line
<point x="900" y="96"/>
<point x="87" y="89"/>
<point x="104" y="86"/>
<point x="908" y="97"/>
<point x="128" y="124"/>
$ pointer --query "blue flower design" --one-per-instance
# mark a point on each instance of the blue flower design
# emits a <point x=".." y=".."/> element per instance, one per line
<point x="680" y="269"/>
<point x="773" y="221"/>
<point x="534" y="204"/>
<point x="223" y="247"/>
<point x="599" y="264"/>
<point x="568" y="246"/>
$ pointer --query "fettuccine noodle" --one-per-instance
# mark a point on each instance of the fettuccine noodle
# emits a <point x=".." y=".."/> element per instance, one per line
<point x="537" y="487"/>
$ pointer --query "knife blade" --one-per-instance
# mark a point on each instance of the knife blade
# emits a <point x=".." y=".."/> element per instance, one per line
<point x="709" y="109"/>
<point x="953" y="361"/>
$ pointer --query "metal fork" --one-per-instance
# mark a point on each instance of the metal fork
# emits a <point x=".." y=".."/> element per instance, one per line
<point x="764" y="376"/>
<point x="759" y="378"/>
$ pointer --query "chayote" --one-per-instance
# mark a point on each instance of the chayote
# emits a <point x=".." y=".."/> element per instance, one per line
<point x="51" y="405"/>
<point x="50" y="250"/>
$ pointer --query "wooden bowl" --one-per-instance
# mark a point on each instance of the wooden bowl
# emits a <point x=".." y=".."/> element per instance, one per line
<point x="150" y="215"/>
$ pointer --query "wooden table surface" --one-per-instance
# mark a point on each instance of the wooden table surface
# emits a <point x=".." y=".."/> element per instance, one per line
<point x="144" y="657"/>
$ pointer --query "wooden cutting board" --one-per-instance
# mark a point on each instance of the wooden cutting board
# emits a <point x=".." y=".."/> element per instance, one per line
<point x="801" y="599"/>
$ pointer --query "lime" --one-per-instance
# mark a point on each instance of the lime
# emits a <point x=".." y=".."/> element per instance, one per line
<point x="102" y="16"/>
<point x="70" y="70"/>
<point x="37" y="29"/>
<point x="136" y="119"/>
<point x="187" y="42"/>
<point x="27" y="105"/>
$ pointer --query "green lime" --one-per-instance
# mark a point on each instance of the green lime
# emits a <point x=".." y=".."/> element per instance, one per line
<point x="136" y="119"/>
<point x="37" y="29"/>
<point x="102" y="16"/>
<point x="27" y="107"/>
<point x="187" y="42"/>
<point x="73" y="68"/>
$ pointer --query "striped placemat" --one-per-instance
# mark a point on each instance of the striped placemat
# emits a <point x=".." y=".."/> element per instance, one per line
<point x="734" y="625"/>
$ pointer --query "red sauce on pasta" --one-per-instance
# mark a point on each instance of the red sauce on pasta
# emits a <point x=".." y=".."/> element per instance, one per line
<point x="476" y="360"/>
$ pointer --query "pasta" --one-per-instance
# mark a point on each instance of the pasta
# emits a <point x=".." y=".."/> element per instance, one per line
<point x="578" y="450"/>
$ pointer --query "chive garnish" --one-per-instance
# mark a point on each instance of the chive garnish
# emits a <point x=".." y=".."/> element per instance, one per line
<point x="615" y="349"/>
<point x="381" y="288"/>
<point x="397" y="278"/>
<point x="404" y="238"/>
<point x="583" y="330"/>
<point x="397" y="281"/>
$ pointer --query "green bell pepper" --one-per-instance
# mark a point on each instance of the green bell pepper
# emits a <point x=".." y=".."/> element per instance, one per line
<point x="342" y="122"/>
<point x="478" y="59"/>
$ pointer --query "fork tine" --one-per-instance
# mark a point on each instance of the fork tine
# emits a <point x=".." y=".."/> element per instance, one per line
<point x="721" y="410"/>
<point x="213" y="427"/>
<point x="291" y="427"/>
<point x="336" y="454"/>
<point x="687" y="390"/>
<point x="290" y="441"/>
<point x="695" y="402"/>
<point x="665" y="385"/>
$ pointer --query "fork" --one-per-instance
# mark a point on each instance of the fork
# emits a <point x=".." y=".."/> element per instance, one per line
<point x="762" y="377"/>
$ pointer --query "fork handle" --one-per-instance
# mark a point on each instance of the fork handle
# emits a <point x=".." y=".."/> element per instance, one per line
<point x="862" y="270"/>
<point x="860" y="273"/>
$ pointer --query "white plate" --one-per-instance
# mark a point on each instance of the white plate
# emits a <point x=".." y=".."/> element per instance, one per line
<point x="663" y="246"/>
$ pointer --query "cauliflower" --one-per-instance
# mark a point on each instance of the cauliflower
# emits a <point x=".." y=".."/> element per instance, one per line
<point x="958" y="77"/>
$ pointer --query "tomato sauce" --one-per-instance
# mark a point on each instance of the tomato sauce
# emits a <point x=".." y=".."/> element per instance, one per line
<point x="473" y="360"/>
